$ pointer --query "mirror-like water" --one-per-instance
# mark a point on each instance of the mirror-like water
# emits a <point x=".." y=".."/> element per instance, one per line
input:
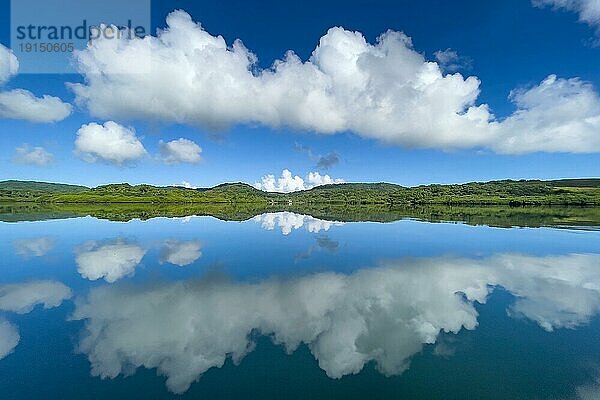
<point x="286" y="305"/>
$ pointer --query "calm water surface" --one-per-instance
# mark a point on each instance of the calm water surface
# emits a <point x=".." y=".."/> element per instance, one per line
<point x="289" y="306"/>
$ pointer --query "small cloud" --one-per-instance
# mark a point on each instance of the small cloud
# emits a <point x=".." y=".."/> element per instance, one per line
<point x="24" y="105"/>
<point x="323" y="162"/>
<point x="328" y="161"/>
<point x="33" y="156"/>
<point x="180" y="151"/>
<point x="111" y="143"/>
<point x="111" y="261"/>
<point x="181" y="253"/>
<point x="325" y="242"/>
<point x="186" y="185"/>
<point x="450" y="61"/>
<point x="36" y="247"/>
<point x="304" y="149"/>
<point x="21" y="298"/>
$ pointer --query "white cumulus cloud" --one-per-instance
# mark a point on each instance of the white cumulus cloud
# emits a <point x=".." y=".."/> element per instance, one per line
<point x="180" y="151"/>
<point x="111" y="142"/>
<point x="111" y="261"/>
<point x="288" y="182"/>
<point x="383" y="315"/>
<point x="22" y="104"/>
<point x="386" y="91"/>
<point x="33" y="155"/>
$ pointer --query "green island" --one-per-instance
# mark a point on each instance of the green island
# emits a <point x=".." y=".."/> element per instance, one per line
<point x="534" y="203"/>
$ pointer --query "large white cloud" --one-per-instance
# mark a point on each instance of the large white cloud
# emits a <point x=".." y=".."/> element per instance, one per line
<point x="111" y="261"/>
<point x="384" y="314"/>
<point x="180" y="253"/>
<point x="289" y="221"/>
<point x="180" y="151"/>
<point x="22" y="104"/>
<point x="386" y="91"/>
<point x="288" y="182"/>
<point x="588" y="10"/>
<point x="111" y="142"/>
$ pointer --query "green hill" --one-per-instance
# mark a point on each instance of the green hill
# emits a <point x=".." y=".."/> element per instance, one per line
<point x="41" y="186"/>
<point x="505" y="192"/>
<point x="576" y="182"/>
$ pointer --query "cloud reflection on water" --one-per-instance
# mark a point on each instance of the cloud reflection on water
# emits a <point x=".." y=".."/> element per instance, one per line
<point x="384" y="314"/>
<point x="21" y="298"/>
<point x="180" y="253"/>
<point x="109" y="260"/>
<point x="289" y="221"/>
<point x="33" y="247"/>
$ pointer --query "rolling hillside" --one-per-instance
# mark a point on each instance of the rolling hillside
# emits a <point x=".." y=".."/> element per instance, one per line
<point x="41" y="186"/>
<point x="505" y="192"/>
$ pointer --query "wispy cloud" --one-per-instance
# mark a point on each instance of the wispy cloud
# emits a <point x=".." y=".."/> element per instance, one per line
<point x="34" y="247"/>
<point x="449" y="60"/>
<point x="37" y="155"/>
<point x="587" y="10"/>
<point x="323" y="162"/>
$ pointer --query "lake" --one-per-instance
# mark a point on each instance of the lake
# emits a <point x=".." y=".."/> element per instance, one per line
<point x="287" y="305"/>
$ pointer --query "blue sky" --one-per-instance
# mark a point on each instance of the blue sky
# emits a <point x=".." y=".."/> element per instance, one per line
<point x="507" y="45"/>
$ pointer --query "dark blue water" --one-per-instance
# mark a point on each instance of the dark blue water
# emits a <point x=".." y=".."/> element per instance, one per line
<point x="289" y="306"/>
